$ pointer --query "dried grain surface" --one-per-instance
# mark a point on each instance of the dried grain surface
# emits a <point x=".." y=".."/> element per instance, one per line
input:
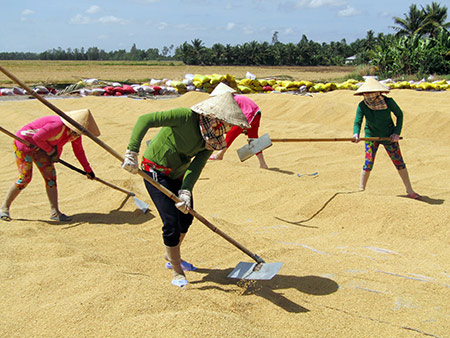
<point x="356" y="264"/>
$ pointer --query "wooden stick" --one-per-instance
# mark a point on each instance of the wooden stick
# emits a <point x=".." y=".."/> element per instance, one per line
<point x="336" y="139"/>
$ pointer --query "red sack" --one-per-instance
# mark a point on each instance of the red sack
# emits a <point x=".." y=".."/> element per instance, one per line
<point x="118" y="90"/>
<point x="127" y="89"/>
<point x="109" y="90"/>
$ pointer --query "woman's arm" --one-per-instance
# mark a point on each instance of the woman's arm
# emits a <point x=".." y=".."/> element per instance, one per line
<point x="358" y="121"/>
<point x="78" y="150"/>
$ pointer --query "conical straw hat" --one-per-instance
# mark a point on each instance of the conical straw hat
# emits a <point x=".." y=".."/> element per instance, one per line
<point x="222" y="107"/>
<point x="222" y="88"/>
<point x="371" y="86"/>
<point x="85" y="118"/>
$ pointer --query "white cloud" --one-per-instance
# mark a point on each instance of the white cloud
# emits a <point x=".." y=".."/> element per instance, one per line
<point x="161" y="26"/>
<point x="288" y="31"/>
<point x="111" y="19"/>
<point x="349" y="11"/>
<point x="93" y="9"/>
<point x="230" y="26"/>
<point x="320" y="3"/>
<point x="27" y="12"/>
<point x="80" y="20"/>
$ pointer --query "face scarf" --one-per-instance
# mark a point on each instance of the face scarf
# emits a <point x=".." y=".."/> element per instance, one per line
<point x="213" y="131"/>
<point x="375" y="101"/>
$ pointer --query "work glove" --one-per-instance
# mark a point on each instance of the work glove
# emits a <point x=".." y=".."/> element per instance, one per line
<point x="185" y="200"/>
<point x="131" y="163"/>
<point x="53" y="154"/>
<point x="90" y="175"/>
<point x="355" y="138"/>
<point x="394" y="137"/>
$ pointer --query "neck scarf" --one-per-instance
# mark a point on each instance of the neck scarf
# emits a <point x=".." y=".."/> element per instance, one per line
<point x="213" y="131"/>
<point x="375" y="101"/>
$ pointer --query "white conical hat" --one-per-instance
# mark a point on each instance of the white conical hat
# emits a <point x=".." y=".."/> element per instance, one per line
<point x="371" y="85"/>
<point x="85" y="118"/>
<point x="222" y="107"/>
<point x="222" y="88"/>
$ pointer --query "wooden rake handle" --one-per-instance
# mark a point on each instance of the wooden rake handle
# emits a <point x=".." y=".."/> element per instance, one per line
<point x="335" y="139"/>
<point x="78" y="170"/>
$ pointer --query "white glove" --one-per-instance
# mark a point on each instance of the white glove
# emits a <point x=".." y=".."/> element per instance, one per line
<point x="395" y="138"/>
<point x="185" y="203"/>
<point x="355" y="138"/>
<point x="131" y="163"/>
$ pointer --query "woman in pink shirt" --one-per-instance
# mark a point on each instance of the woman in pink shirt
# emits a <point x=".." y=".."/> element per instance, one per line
<point x="253" y="115"/>
<point x="48" y="135"/>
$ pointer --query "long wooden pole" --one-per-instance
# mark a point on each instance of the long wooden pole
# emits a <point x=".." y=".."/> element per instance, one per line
<point x="157" y="185"/>
<point x="335" y="139"/>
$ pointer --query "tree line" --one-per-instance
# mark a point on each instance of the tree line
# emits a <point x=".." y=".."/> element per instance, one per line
<point x="91" y="54"/>
<point x="421" y="45"/>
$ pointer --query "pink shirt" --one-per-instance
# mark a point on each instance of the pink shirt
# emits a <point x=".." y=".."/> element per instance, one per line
<point x="48" y="132"/>
<point x="248" y="107"/>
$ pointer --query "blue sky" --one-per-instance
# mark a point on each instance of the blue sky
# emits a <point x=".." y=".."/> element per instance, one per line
<point x="37" y="26"/>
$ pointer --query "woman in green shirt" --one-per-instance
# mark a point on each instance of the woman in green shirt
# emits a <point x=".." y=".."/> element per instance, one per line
<point x="175" y="158"/>
<point x="376" y="109"/>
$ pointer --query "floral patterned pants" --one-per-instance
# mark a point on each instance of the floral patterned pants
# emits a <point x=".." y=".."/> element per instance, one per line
<point x="393" y="150"/>
<point x="24" y="161"/>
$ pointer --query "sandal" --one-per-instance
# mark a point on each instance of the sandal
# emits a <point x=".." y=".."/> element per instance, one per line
<point x="4" y="215"/>
<point x="214" y="158"/>
<point x="61" y="218"/>
<point x="184" y="265"/>
<point x="414" y="196"/>
<point x="180" y="281"/>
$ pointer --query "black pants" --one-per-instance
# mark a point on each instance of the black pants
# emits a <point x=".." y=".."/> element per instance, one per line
<point x="174" y="221"/>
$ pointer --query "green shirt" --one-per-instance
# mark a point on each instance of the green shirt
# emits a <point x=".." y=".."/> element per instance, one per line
<point x="179" y="144"/>
<point x="379" y="123"/>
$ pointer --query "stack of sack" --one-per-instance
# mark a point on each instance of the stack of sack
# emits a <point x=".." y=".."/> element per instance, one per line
<point x="207" y="83"/>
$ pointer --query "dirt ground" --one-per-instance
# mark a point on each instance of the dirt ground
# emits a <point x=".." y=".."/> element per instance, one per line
<point x="355" y="264"/>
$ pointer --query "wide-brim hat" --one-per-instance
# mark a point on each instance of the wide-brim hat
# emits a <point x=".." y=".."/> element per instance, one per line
<point x="371" y="85"/>
<point x="222" y="88"/>
<point x="222" y="107"/>
<point x="85" y="118"/>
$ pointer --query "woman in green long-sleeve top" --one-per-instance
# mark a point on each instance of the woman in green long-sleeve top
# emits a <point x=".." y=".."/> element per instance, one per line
<point x="376" y="109"/>
<point x="175" y="159"/>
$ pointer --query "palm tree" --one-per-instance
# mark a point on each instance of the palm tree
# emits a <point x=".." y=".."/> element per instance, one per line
<point x="435" y="17"/>
<point x="230" y="54"/>
<point x="218" y="54"/>
<point x="412" y="22"/>
<point x="197" y="49"/>
<point x="185" y="53"/>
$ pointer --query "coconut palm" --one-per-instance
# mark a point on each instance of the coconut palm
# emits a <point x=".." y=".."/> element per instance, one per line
<point x="218" y="54"/>
<point x="197" y="49"/>
<point x="185" y="53"/>
<point x="434" y="22"/>
<point x="412" y="23"/>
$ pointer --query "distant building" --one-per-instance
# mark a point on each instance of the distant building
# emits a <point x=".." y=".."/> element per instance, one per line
<point x="350" y="60"/>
